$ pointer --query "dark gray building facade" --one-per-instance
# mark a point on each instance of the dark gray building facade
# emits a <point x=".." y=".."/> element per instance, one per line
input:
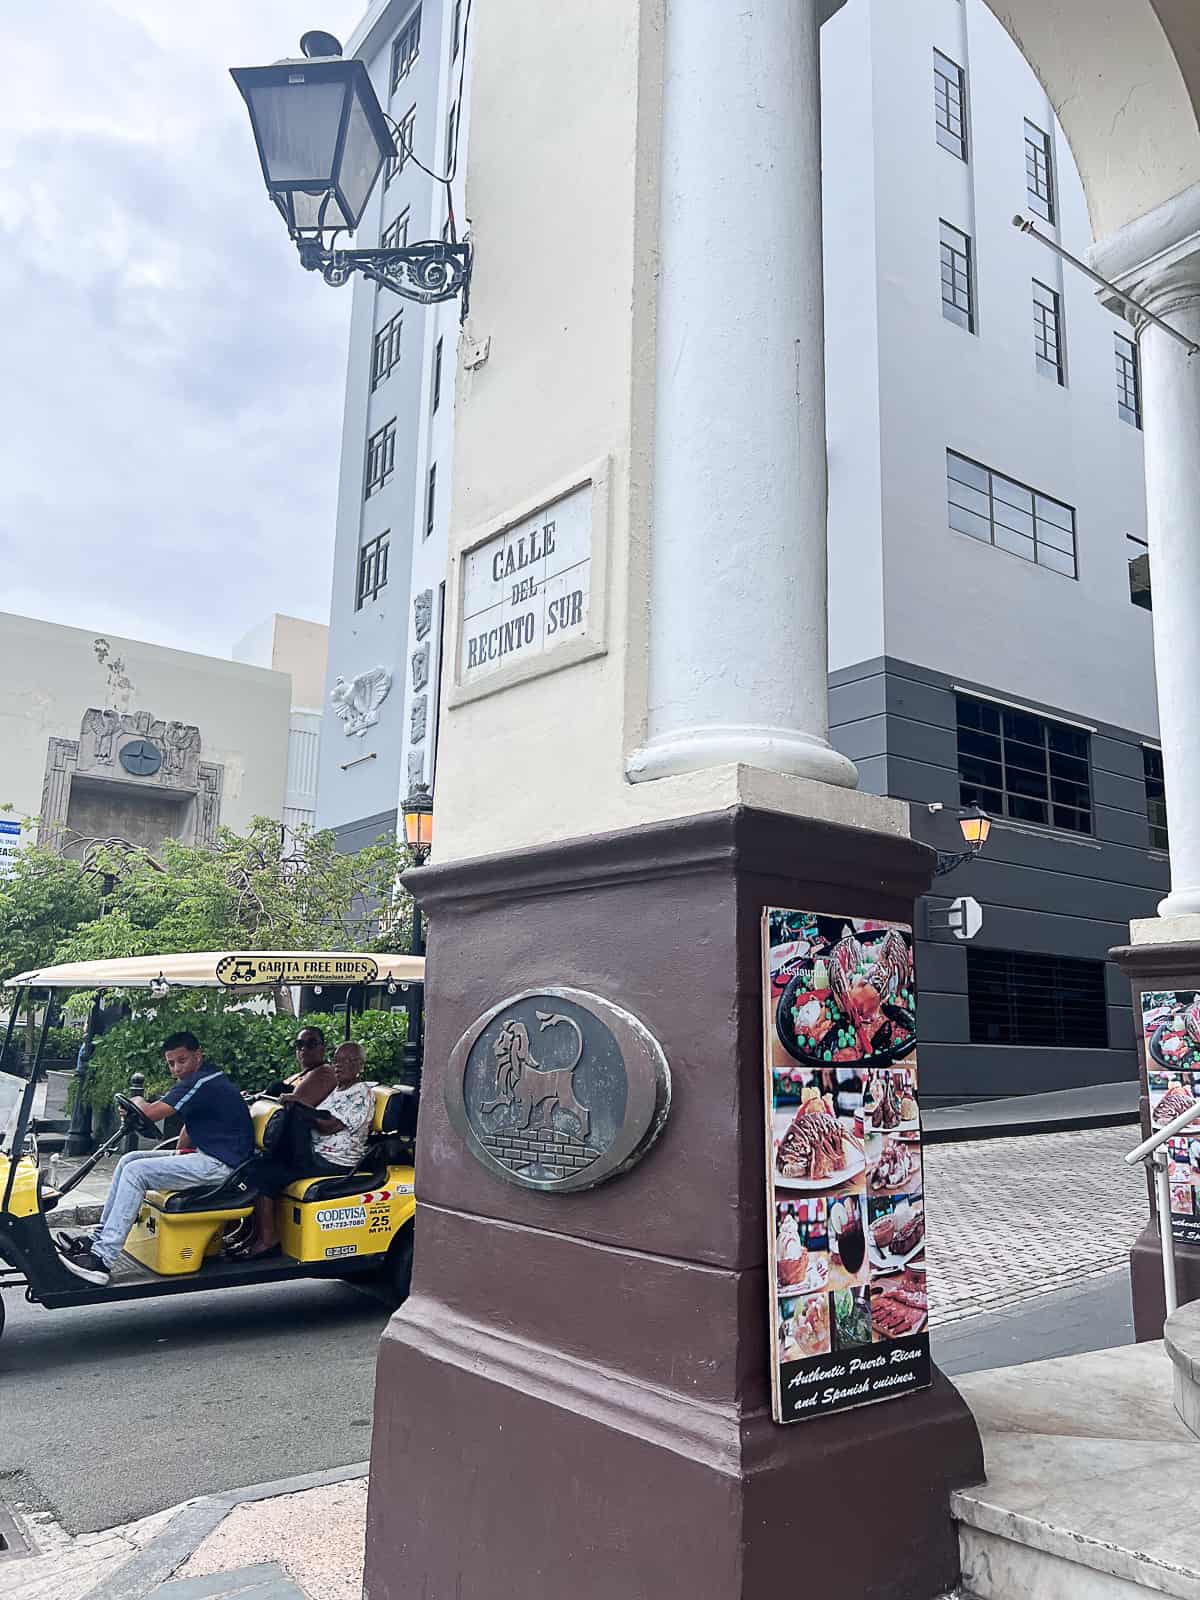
<point x="1031" y="1003"/>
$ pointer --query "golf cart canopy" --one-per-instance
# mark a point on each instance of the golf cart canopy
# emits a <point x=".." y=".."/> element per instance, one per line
<point x="250" y="969"/>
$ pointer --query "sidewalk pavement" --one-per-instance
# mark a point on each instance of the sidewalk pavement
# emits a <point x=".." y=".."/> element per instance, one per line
<point x="11" y="1090"/>
<point x="83" y="1205"/>
<point x="298" y="1539"/>
<point x="1100" y="1105"/>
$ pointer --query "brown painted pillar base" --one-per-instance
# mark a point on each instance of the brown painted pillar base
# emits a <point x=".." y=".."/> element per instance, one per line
<point x="1156" y="967"/>
<point x="575" y="1399"/>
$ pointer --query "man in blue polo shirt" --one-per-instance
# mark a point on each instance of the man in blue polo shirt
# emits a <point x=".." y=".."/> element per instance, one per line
<point x="217" y="1137"/>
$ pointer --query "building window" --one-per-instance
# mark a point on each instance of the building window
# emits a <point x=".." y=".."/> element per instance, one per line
<point x="1129" y="381"/>
<point x="1014" y="764"/>
<point x="430" y="500"/>
<point x="406" y="133"/>
<point x="395" y="235"/>
<point x="385" y="350"/>
<point x="406" y="49"/>
<point x="958" y="292"/>
<point x="1047" y="332"/>
<point x="1139" y="574"/>
<point x="1156" y="798"/>
<point x="451" y="139"/>
<point x="1046" y="1002"/>
<point x="998" y="510"/>
<point x="949" y="103"/>
<point x="381" y="457"/>
<point x="457" y="45"/>
<point x="1039" y="171"/>
<point x="437" y="374"/>
<point x="372" y="570"/>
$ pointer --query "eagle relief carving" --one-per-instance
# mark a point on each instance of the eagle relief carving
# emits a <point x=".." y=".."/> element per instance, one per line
<point x="357" y="702"/>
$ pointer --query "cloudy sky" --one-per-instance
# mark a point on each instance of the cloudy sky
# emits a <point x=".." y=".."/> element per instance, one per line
<point x="173" y="381"/>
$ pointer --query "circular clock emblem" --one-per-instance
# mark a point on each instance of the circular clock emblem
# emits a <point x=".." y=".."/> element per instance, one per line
<point x="140" y="758"/>
<point x="558" y="1090"/>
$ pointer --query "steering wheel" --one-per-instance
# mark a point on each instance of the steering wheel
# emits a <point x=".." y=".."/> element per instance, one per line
<point x="136" y="1120"/>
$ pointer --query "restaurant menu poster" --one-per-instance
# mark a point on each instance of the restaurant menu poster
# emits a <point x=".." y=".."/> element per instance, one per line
<point x="845" y="1192"/>
<point x="1171" y="1031"/>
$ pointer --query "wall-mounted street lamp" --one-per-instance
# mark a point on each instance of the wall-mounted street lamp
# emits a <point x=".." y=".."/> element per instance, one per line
<point x="418" y="836"/>
<point x="975" y="826"/>
<point x="323" y="139"/>
<point x="418" y="823"/>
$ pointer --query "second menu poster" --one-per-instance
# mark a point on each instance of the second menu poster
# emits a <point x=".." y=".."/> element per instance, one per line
<point x="845" y="1177"/>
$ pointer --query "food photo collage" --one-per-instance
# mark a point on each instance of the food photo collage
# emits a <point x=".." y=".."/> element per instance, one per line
<point x="1171" y="1029"/>
<point x="845" y="1175"/>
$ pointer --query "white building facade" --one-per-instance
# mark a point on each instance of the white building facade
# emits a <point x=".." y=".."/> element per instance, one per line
<point x="299" y="648"/>
<point x="388" y="603"/>
<point x="104" y="737"/>
<point x="989" y="638"/>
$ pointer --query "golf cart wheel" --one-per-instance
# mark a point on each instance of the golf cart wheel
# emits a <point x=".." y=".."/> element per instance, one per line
<point x="1" y="1316"/>
<point x="398" y="1265"/>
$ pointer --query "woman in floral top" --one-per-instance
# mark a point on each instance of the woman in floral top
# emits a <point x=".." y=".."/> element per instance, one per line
<point x="341" y="1124"/>
<point x="343" y="1119"/>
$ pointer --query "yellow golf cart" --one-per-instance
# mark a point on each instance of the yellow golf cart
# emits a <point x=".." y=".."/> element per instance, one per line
<point x="356" y="1227"/>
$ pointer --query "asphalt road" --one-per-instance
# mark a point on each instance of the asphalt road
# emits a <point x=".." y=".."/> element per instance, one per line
<point x="108" y="1413"/>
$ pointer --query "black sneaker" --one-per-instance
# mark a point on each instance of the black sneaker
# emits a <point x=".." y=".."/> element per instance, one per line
<point x="89" y="1267"/>
<point x="73" y="1244"/>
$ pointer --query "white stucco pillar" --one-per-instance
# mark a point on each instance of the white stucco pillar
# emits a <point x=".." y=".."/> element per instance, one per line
<point x="1156" y="261"/>
<point x="1171" y="420"/>
<point x="738" y="656"/>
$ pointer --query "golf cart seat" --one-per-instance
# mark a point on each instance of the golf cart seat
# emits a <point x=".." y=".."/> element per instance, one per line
<point x="357" y="1213"/>
<point x="393" y="1123"/>
<point x="236" y="1190"/>
<point x="332" y="1186"/>
<point x="393" y="1129"/>
<point x="177" y="1228"/>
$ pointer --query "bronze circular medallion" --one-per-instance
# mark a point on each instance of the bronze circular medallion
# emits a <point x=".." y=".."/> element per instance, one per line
<point x="558" y="1090"/>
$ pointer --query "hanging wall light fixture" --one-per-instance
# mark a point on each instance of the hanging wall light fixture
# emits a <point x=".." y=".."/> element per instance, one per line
<point x="323" y="140"/>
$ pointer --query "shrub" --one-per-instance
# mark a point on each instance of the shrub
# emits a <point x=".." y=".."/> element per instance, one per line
<point x="252" y="1047"/>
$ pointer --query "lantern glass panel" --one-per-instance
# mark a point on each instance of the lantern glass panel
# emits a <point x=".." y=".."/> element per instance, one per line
<point x="297" y="127"/>
<point x="306" y="212"/>
<point x="975" y="830"/>
<point x="362" y="158"/>
<point x="418" y="829"/>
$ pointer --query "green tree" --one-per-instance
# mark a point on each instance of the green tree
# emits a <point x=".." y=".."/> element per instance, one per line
<point x="261" y="890"/>
<point x="44" y="898"/>
<point x="251" y="1045"/>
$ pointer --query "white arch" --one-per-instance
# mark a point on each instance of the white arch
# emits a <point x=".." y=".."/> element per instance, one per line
<point x="1124" y="78"/>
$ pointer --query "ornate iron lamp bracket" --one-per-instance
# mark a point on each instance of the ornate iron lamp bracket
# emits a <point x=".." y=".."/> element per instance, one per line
<point x="428" y="273"/>
<point x="947" y="863"/>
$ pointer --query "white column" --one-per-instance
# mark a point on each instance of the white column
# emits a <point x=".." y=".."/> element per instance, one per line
<point x="738" y="657"/>
<point x="1171" y="420"/>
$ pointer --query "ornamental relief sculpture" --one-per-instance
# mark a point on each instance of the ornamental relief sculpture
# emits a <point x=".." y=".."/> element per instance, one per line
<point x="120" y="753"/>
<point x="357" y="701"/>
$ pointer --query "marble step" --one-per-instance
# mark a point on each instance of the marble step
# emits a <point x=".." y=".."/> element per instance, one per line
<point x="1181" y="1339"/>
<point x="1091" y="1475"/>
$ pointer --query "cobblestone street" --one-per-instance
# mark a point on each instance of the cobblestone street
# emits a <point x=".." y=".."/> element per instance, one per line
<point x="1010" y="1219"/>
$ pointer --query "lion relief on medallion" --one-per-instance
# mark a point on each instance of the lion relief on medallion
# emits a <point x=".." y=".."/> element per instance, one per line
<point x="558" y="1090"/>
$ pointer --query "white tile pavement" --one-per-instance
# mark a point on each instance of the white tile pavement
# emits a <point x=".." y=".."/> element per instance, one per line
<point x="1010" y="1219"/>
